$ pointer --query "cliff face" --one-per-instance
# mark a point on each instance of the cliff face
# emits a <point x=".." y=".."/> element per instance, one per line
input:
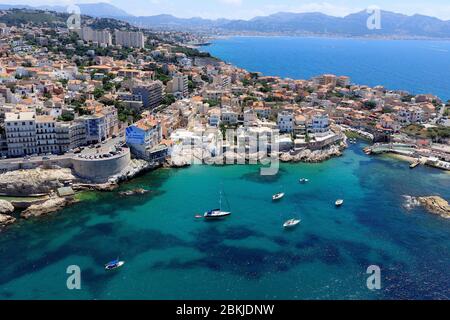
<point x="34" y="181"/>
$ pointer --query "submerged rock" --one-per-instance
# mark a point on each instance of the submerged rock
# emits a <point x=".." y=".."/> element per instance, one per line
<point x="6" y="220"/>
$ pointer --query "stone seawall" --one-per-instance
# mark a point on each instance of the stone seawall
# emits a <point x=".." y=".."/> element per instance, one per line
<point x="94" y="170"/>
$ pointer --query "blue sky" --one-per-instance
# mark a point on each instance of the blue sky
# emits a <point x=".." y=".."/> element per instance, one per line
<point x="245" y="9"/>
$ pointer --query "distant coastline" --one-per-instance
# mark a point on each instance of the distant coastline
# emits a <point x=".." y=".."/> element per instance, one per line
<point x="378" y="71"/>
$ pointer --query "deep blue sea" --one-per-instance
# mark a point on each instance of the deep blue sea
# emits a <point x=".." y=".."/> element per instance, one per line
<point x="171" y="255"/>
<point x="417" y="66"/>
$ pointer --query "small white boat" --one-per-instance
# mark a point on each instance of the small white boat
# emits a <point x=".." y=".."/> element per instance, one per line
<point x="277" y="196"/>
<point x="304" y="180"/>
<point x="291" y="223"/>
<point x="114" y="264"/>
<point x="339" y="202"/>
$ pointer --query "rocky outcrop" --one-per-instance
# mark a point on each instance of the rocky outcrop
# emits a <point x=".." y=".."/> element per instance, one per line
<point x="312" y="156"/>
<point x="33" y="181"/>
<point x="436" y="205"/>
<point x="134" y="168"/>
<point x="50" y="206"/>
<point x="6" y="220"/>
<point x="6" y="207"/>
<point x="178" y="162"/>
<point x="433" y="204"/>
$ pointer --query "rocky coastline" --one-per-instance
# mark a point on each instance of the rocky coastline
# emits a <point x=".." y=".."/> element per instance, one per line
<point x="37" y="189"/>
<point x="185" y="158"/>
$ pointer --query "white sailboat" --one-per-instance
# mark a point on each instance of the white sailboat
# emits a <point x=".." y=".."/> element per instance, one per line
<point x="217" y="213"/>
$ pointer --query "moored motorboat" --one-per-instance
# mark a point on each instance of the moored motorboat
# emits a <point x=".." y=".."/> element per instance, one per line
<point x="304" y="180"/>
<point x="339" y="202"/>
<point x="277" y="196"/>
<point x="291" y="223"/>
<point x="115" y="264"/>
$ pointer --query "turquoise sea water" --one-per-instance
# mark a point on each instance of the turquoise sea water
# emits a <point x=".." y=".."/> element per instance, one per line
<point x="418" y="66"/>
<point x="171" y="255"/>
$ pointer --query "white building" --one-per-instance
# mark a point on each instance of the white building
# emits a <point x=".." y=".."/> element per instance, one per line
<point x="285" y="121"/>
<point x="407" y="116"/>
<point x="229" y="117"/>
<point x="250" y="118"/>
<point x="320" y="125"/>
<point x="214" y="117"/>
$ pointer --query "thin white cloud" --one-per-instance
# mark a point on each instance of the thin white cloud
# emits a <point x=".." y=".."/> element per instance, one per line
<point x="232" y="2"/>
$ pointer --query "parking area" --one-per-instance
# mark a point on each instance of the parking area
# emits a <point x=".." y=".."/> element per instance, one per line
<point x="105" y="149"/>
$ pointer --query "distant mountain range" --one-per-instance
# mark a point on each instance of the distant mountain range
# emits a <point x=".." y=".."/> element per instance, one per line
<point x="392" y="24"/>
<point x="100" y="10"/>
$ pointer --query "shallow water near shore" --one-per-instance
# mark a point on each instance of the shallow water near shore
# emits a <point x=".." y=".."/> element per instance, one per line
<point x="171" y="255"/>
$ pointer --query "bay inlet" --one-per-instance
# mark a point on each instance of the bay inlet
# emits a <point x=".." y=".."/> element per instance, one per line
<point x="171" y="255"/>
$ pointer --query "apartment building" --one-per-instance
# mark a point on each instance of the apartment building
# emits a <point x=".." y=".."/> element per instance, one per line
<point x="95" y="126"/>
<point x="70" y="136"/>
<point x="151" y="94"/>
<point x="46" y="135"/>
<point x="179" y="86"/>
<point x="229" y="117"/>
<point x="222" y="81"/>
<point x="407" y="116"/>
<point x="285" y="121"/>
<point x="101" y="37"/>
<point x="20" y="131"/>
<point x="130" y="39"/>
<point x="144" y="135"/>
<point x="320" y="124"/>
